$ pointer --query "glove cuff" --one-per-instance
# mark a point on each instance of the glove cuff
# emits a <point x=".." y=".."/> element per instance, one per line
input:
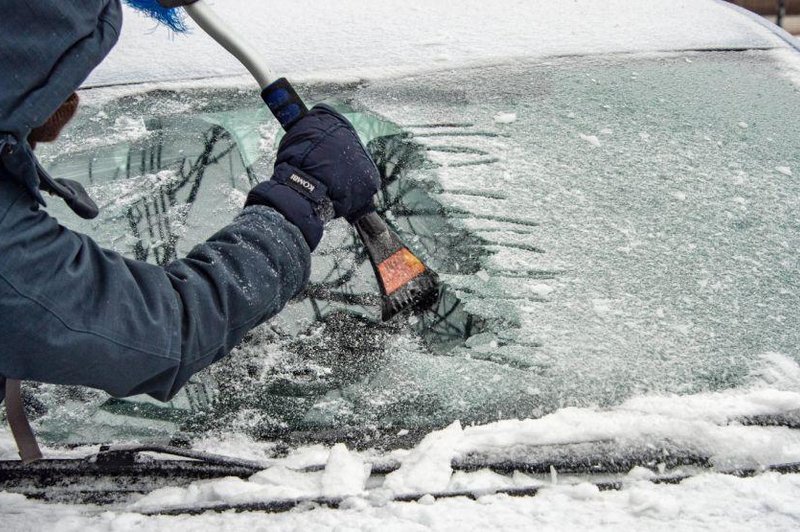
<point x="297" y="207"/>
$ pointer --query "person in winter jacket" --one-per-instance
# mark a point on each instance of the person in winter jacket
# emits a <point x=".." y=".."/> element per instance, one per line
<point x="72" y="312"/>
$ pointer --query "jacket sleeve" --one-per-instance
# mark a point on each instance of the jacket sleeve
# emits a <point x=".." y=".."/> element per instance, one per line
<point x="72" y="312"/>
<point x="239" y="278"/>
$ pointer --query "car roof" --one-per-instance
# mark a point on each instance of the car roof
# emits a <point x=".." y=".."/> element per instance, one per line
<point x="357" y="39"/>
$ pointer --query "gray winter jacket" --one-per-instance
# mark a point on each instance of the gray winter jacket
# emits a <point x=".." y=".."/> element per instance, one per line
<point x="72" y="312"/>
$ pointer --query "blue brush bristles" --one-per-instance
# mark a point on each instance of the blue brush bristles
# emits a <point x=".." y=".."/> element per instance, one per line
<point x="168" y="17"/>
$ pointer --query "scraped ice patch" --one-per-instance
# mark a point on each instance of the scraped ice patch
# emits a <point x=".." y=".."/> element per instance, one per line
<point x="125" y="192"/>
<point x="236" y="198"/>
<point x="505" y="118"/>
<point x="126" y="129"/>
<point x="591" y="139"/>
<point x="785" y="170"/>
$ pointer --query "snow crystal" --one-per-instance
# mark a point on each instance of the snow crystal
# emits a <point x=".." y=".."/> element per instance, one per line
<point x="785" y="170"/>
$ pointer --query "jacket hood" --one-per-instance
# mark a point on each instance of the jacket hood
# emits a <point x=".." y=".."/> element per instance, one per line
<point x="47" y="49"/>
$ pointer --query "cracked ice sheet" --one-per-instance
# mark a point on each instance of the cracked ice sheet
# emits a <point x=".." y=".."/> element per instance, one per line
<point x="667" y="246"/>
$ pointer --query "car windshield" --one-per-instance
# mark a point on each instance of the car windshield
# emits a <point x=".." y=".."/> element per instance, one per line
<point x="605" y="227"/>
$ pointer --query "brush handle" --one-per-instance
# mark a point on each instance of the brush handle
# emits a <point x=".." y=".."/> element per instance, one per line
<point x="279" y="95"/>
<point x="218" y="30"/>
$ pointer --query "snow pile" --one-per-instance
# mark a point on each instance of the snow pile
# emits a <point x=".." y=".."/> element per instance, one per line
<point x="709" y="423"/>
<point x="710" y="501"/>
<point x="345" y="474"/>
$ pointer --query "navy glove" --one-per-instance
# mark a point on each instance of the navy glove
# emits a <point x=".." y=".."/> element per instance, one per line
<point x="322" y="171"/>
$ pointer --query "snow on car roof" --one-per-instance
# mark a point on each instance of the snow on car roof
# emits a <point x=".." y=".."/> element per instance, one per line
<point x="377" y="38"/>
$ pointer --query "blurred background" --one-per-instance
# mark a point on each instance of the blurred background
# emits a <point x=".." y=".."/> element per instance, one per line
<point x="784" y="13"/>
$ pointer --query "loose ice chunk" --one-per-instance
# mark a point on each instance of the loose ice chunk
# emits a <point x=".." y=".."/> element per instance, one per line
<point x="427" y="468"/>
<point x="345" y="473"/>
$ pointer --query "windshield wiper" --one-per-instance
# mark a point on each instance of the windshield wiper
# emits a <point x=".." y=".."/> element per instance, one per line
<point x="117" y="472"/>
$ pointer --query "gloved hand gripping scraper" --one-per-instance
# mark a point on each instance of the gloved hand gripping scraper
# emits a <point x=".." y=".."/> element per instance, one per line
<point x="405" y="282"/>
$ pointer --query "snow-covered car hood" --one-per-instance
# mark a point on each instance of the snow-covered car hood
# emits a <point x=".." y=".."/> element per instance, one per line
<point x="315" y="39"/>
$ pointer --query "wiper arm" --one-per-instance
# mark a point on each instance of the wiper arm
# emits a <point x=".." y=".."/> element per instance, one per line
<point x="129" y="454"/>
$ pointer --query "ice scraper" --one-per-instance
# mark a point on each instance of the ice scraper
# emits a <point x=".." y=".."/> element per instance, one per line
<point x="405" y="282"/>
